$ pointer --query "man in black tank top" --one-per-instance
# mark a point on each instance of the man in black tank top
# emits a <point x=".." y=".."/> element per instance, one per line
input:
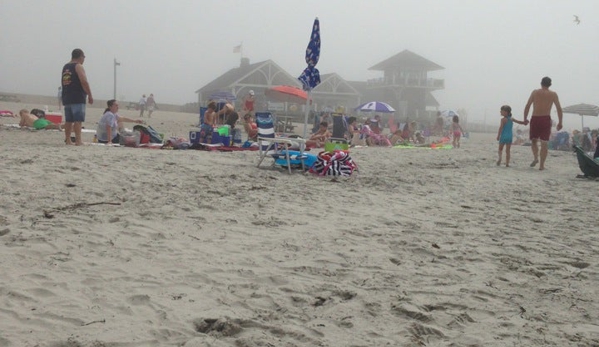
<point x="75" y="89"/>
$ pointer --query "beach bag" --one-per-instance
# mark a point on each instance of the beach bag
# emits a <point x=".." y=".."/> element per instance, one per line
<point x="129" y="139"/>
<point x="148" y="134"/>
<point x="337" y="164"/>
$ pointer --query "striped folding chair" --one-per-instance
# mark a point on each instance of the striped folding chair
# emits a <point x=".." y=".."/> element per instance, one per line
<point x="270" y="145"/>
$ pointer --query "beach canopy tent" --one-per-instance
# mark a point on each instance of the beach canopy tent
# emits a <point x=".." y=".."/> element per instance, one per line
<point x="582" y="110"/>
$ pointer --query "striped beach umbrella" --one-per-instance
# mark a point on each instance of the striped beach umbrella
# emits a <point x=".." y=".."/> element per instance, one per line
<point x="375" y="106"/>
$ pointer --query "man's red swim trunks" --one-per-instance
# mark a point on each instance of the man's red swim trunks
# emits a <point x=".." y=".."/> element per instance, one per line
<point x="540" y="127"/>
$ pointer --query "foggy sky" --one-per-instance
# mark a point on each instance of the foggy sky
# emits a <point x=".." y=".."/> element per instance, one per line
<point x="493" y="52"/>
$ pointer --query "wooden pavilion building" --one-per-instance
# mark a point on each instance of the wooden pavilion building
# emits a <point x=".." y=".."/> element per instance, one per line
<point x="405" y="85"/>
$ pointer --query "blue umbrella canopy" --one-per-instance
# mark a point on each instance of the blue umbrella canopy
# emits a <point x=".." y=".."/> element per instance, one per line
<point x="222" y="96"/>
<point x="310" y="77"/>
<point x="375" y="106"/>
<point x="449" y="113"/>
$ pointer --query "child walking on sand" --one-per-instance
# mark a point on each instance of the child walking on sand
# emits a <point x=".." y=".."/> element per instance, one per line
<point x="456" y="130"/>
<point x="504" y="135"/>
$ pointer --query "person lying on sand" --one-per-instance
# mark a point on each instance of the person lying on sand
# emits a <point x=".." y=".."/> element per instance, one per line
<point x="30" y="121"/>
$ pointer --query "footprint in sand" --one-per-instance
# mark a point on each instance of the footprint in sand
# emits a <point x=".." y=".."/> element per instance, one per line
<point x="139" y="299"/>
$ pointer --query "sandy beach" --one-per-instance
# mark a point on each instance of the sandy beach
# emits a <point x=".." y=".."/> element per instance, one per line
<point x="105" y="246"/>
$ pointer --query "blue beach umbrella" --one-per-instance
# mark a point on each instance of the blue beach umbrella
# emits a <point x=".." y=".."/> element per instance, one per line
<point x="310" y="77"/>
<point x="375" y="106"/>
<point x="222" y="96"/>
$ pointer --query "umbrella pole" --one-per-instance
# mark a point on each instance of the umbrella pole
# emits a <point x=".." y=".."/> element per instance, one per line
<point x="582" y="121"/>
<point x="307" y="112"/>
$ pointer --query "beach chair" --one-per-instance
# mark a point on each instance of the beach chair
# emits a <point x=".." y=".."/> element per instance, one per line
<point x="340" y="129"/>
<point x="339" y="126"/>
<point x="277" y="148"/>
<point x="588" y="166"/>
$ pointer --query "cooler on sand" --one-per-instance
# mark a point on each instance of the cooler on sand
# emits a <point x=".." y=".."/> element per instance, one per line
<point x="217" y="138"/>
<point x="54" y="117"/>
<point x="336" y="144"/>
<point x="194" y="137"/>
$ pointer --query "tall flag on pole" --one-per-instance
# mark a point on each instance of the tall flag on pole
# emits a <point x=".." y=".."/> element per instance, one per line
<point x="237" y="49"/>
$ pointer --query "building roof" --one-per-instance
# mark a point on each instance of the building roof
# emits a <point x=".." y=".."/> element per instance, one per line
<point x="231" y="78"/>
<point x="333" y="83"/>
<point x="407" y="59"/>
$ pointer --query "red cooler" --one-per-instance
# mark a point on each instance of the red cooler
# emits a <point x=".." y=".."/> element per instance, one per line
<point x="54" y="117"/>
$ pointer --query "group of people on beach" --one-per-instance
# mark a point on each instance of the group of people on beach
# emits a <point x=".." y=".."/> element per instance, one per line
<point x="224" y="113"/>
<point x="75" y="91"/>
<point x="370" y="132"/>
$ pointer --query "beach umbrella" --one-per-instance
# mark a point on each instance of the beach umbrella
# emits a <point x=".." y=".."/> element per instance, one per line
<point x="286" y="94"/>
<point x="222" y="96"/>
<point x="310" y="77"/>
<point x="582" y="110"/>
<point x="449" y="113"/>
<point x="375" y="106"/>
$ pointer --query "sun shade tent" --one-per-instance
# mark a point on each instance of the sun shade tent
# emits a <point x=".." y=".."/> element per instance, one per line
<point x="582" y="110"/>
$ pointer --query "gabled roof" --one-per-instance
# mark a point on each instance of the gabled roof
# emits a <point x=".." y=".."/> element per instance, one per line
<point x="236" y="75"/>
<point x="333" y="83"/>
<point x="407" y="59"/>
<point x="360" y="86"/>
<point x="230" y="77"/>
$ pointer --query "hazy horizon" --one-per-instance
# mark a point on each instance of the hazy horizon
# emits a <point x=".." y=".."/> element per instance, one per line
<point x="493" y="52"/>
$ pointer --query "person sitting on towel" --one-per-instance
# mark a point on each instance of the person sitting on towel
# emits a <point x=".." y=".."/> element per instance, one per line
<point x="111" y="123"/>
<point x="405" y="135"/>
<point x="30" y="121"/>
<point x="320" y="137"/>
<point x="372" y="138"/>
<point x="250" y="127"/>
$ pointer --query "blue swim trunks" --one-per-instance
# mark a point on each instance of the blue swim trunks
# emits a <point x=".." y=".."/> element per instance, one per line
<point x="206" y="133"/>
<point x="74" y="113"/>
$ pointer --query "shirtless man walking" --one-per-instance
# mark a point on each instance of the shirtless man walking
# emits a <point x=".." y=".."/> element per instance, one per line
<point x="540" y="122"/>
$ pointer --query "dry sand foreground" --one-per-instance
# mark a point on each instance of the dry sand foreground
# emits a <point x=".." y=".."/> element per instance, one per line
<point x="192" y="248"/>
